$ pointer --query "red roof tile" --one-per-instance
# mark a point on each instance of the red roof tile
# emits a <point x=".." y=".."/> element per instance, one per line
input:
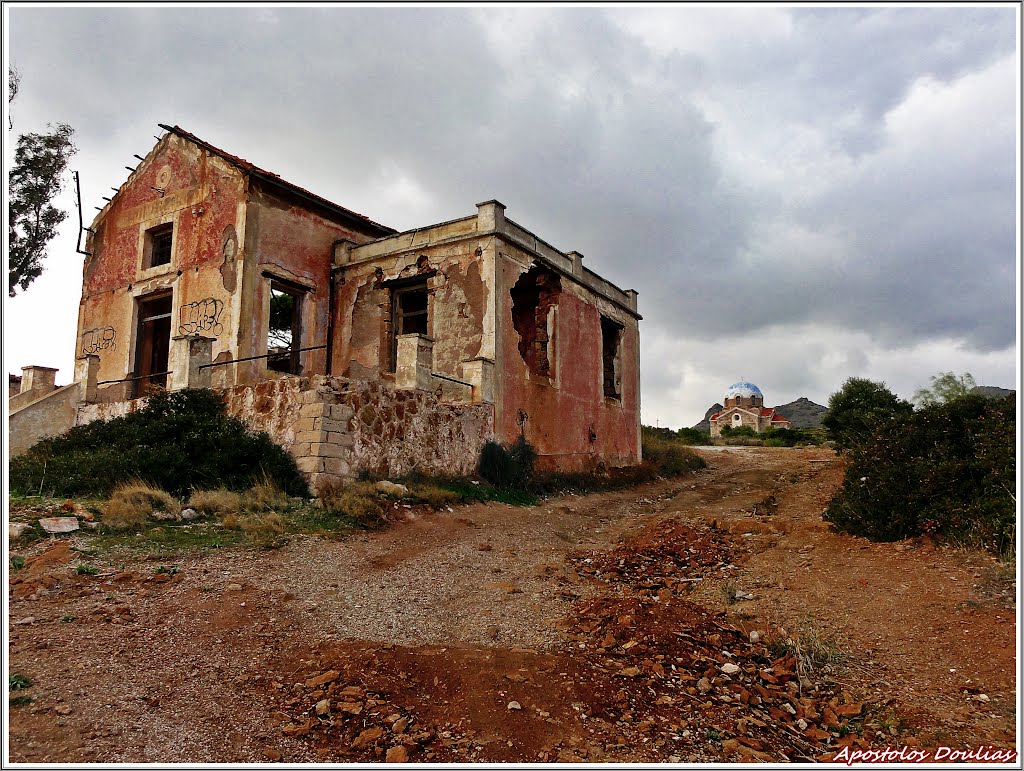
<point x="250" y="168"/>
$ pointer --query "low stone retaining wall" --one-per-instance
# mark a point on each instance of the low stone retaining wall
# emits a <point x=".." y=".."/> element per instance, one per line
<point x="335" y="427"/>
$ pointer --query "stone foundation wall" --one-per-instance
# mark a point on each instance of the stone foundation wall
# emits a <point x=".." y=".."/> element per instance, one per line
<point x="335" y="427"/>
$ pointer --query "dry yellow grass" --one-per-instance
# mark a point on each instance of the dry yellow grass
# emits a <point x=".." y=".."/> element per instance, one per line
<point x="215" y="502"/>
<point x="266" y="496"/>
<point x="133" y="503"/>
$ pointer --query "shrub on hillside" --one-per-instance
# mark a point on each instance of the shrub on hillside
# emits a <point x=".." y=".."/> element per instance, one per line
<point x="860" y="407"/>
<point x="946" y="470"/>
<point x="692" y="436"/>
<point x="508" y="466"/>
<point x="668" y="457"/>
<point x="738" y="431"/>
<point x="179" y="441"/>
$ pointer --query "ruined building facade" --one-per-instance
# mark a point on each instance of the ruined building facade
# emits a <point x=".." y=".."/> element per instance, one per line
<point x="354" y="345"/>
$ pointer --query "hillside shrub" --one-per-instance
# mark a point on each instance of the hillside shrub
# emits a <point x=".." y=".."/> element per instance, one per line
<point x="860" y="407"/>
<point x="179" y="441"/>
<point x="738" y="431"/>
<point x="669" y="457"/>
<point x="946" y="470"/>
<point x="508" y="467"/>
<point x="785" y="437"/>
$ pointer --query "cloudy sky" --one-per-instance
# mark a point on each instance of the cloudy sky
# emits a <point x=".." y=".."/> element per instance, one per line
<point x="799" y="195"/>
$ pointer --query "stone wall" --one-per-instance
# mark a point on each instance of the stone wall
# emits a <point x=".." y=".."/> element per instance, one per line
<point x="336" y="427"/>
<point x="48" y="415"/>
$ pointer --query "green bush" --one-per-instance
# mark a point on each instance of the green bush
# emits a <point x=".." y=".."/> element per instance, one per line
<point x="692" y="436"/>
<point x="858" y="408"/>
<point x="668" y="457"/>
<point x="738" y="431"/>
<point x="508" y="467"/>
<point x="946" y="470"/>
<point x="179" y="441"/>
<point x="785" y="437"/>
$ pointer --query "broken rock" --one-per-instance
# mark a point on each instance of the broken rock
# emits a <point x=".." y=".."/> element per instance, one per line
<point x="54" y="525"/>
<point x="397" y="754"/>
<point x="17" y="529"/>
<point x="390" y="488"/>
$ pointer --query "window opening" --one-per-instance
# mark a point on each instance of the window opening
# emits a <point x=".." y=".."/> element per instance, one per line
<point x="409" y="314"/>
<point x="153" y="341"/>
<point x="611" y="338"/>
<point x="159" y="241"/>
<point x="534" y="296"/>
<point x="284" y="329"/>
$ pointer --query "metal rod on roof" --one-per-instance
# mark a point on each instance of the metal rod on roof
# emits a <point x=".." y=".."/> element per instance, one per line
<point x="115" y="189"/>
<point x="104" y="198"/>
<point x="130" y="169"/>
<point x="135" y="155"/>
<point x="78" y="192"/>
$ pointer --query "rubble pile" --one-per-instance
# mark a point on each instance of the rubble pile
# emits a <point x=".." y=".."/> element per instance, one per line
<point x="357" y="723"/>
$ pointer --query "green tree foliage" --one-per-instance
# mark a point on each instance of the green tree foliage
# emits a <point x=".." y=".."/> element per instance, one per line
<point x="36" y="177"/>
<point x="179" y="441"/>
<point x="747" y="431"/>
<point x="856" y="409"/>
<point x="945" y="388"/>
<point x="945" y="470"/>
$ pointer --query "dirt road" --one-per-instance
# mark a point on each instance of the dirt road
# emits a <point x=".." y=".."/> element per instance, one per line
<point x="589" y="628"/>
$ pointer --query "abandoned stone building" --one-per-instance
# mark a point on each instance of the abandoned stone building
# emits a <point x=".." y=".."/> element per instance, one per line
<point x="354" y="345"/>
<point x="744" y="406"/>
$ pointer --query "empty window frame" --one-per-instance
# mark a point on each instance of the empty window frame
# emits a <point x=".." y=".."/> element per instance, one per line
<point x="159" y="246"/>
<point x="611" y="358"/>
<point x="284" y="328"/>
<point x="409" y="314"/>
<point x="152" y="341"/>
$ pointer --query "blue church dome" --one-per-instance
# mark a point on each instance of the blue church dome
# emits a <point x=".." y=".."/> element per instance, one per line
<point x="743" y="389"/>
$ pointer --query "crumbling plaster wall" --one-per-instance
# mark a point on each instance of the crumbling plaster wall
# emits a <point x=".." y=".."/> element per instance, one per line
<point x="567" y="416"/>
<point x="294" y="243"/>
<point x="459" y="288"/>
<point x="203" y="196"/>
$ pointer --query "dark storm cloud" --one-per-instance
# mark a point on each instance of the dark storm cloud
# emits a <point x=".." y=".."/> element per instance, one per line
<point x="761" y="181"/>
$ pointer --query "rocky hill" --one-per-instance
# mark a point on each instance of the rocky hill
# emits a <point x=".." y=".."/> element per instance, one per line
<point x="705" y="425"/>
<point x="993" y="392"/>
<point x="803" y="413"/>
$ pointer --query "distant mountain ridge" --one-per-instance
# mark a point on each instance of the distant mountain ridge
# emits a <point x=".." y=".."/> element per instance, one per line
<point x="993" y="392"/>
<point x="802" y="413"/>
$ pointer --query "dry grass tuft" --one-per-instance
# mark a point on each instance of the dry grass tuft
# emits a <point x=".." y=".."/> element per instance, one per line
<point x="133" y="503"/>
<point x="266" y="496"/>
<point x="264" y="529"/>
<point x="215" y="502"/>
<point x="434" y="496"/>
<point x="357" y="500"/>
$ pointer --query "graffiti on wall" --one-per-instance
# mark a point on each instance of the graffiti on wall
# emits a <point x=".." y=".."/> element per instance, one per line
<point x="201" y="316"/>
<point x="99" y="339"/>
